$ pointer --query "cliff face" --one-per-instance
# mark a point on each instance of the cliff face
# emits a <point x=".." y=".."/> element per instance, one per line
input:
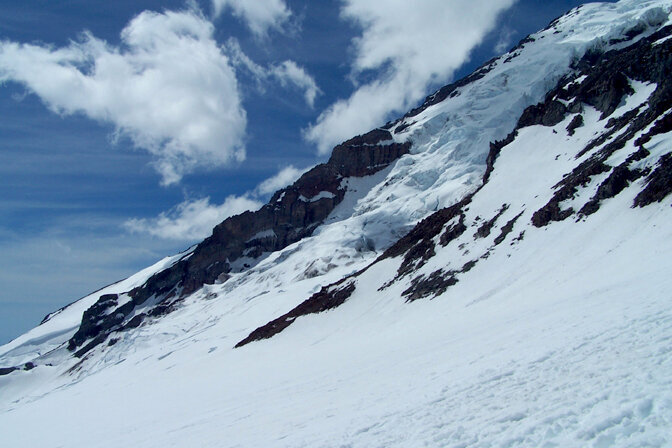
<point x="292" y="214"/>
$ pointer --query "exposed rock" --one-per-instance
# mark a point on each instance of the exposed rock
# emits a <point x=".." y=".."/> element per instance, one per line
<point x="619" y="178"/>
<point x="604" y="87"/>
<point x="566" y="189"/>
<point x="658" y="183"/>
<point x="615" y="125"/>
<point x="7" y="370"/>
<point x="519" y="238"/>
<point x="402" y="127"/>
<point x="364" y="155"/>
<point x="418" y="246"/>
<point x="547" y="114"/>
<point x="661" y="126"/>
<point x="573" y="125"/>
<point x="96" y="319"/>
<point x="135" y="321"/>
<point x="506" y="229"/>
<point x="468" y="266"/>
<point x="292" y="214"/>
<point x="433" y="285"/>
<point x="493" y="153"/>
<point x="453" y="232"/>
<point x="485" y="228"/>
<point x="327" y="298"/>
<point x="606" y="91"/>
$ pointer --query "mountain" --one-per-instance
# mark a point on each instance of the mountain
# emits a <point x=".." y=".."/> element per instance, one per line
<point x="490" y="269"/>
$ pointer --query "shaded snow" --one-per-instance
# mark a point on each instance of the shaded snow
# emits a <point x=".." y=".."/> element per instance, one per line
<point x="318" y="196"/>
<point x="270" y="233"/>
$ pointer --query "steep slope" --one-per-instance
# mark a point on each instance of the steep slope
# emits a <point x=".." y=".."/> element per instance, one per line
<point x="61" y="325"/>
<point x="292" y="214"/>
<point x="491" y="269"/>
<point x="619" y="102"/>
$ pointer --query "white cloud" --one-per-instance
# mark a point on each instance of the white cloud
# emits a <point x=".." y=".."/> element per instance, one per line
<point x="259" y="15"/>
<point x="285" y="177"/>
<point x="287" y="73"/>
<point x="192" y="220"/>
<point x="407" y="46"/>
<point x="168" y="87"/>
<point x="290" y="73"/>
<point x="504" y="41"/>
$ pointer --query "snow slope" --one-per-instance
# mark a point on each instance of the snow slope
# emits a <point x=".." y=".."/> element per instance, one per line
<point x="59" y="326"/>
<point x="557" y="335"/>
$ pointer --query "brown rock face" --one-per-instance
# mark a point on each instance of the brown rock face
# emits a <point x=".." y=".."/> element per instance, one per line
<point x="604" y="88"/>
<point x="291" y="214"/>
<point x="364" y="155"/>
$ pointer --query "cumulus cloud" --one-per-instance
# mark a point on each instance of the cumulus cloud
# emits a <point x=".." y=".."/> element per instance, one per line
<point x="168" y="87"/>
<point x="285" y="176"/>
<point x="258" y="15"/>
<point x="191" y="220"/>
<point x="287" y="73"/>
<point x="405" y="47"/>
<point x="504" y="40"/>
<point x="290" y="73"/>
<point x="194" y="219"/>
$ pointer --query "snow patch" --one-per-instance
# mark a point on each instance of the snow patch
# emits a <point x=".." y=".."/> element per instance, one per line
<point x="318" y="196"/>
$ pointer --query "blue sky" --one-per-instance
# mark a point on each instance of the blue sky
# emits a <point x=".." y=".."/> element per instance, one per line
<point x="99" y="176"/>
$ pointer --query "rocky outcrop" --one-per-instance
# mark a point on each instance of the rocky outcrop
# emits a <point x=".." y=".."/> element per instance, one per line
<point x="432" y="285"/>
<point x="658" y="183"/>
<point x="7" y="370"/>
<point x="417" y="246"/>
<point x="618" y="180"/>
<point x="292" y="214"/>
<point x="549" y="113"/>
<point x="95" y="320"/>
<point x="327" y="298"/>
<point x="485" y="228"/>
<point x="604" y="83"/>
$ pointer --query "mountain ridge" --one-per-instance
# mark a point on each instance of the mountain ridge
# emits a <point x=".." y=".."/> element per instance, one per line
<point x="604" y="86"/>
<point x="293" y="214"/>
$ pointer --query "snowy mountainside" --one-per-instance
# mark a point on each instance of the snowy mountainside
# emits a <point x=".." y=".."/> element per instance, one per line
<point x="612" y="112"/>
<point x="491" y="269"/>
<point x="60" y="325"/>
